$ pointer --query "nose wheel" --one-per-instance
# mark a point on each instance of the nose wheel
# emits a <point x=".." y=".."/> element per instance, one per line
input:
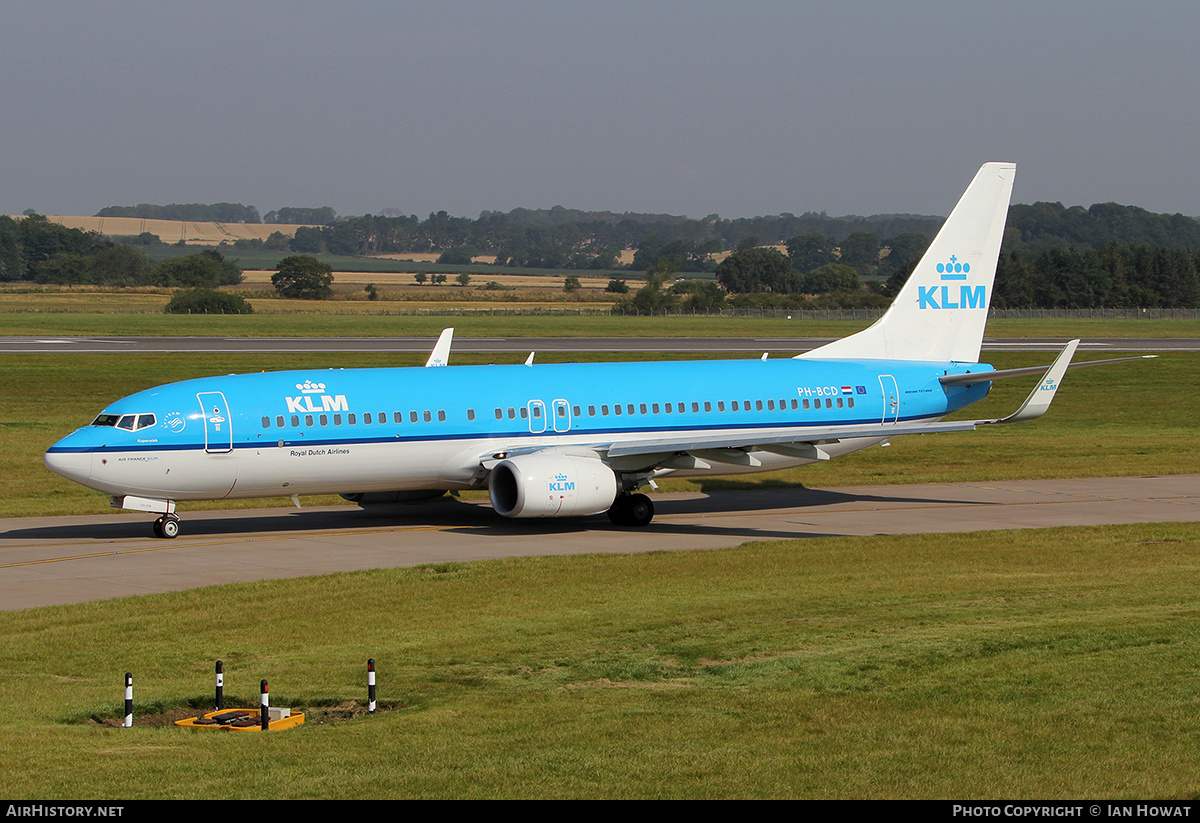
<point x="166" y="526"/>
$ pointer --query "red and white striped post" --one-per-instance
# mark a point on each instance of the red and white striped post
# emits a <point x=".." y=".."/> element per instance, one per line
<point x="265" y="705"/>
<point x="371" y="685"/>
<point x="128" y="700"/>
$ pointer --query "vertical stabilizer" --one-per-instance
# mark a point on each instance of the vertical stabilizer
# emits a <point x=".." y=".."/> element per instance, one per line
<point x="941" y="311"/>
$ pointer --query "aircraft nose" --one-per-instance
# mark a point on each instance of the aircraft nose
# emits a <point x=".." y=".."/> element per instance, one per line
<point x="71" y="457"/>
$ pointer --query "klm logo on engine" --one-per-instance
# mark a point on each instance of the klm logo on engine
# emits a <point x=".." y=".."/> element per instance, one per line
<point x="945" y="296"/>
<point x="304" y="403"/>
<point x="560" y="483"/>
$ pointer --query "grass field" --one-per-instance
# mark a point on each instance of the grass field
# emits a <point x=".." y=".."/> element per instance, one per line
<point x="1028" y="664"/>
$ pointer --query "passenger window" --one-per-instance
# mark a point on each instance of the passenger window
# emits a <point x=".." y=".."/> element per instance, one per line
<point x="524" y="413"/>
<point x="266" y="422"/>
<point x="617" y="408"/>
<point x="324" y="420"/>
<point x="427" y="416"/>
<point x="806" y="402"/>
<point x="654" y="408"/>
<point x="308" y="420"/>
<point x="279" y="421"/>
<point x="758" y="405"/>
<point x="795" y="405"/>
<point x="682" y="408"/>
<point x="441" y="415"/>
<point x="499" y="414"/>
<point x="668" y="407"/>
<point x="735" y="405"/>
<point x="850" y="402"/>
<point x="470" y="414"/>
<point x="367" y="418"/>
<point x="337" y="420"/>
<point x="352" y="419"/>
<point x="412" y="416"/>
<point x="397" y="417"/>
<point x="720" y="405"/>
<point x="707" y="406"/>
<point x="591" y="411"/>
<point x="839" y="402"/>
<point x="828" y="403"/>
<point x="771" y="405"/>
<point x="537" y="412"/>
<point x="695" y="406"/>
<point x="295" y="421"/>
<point x="604" y="409"/>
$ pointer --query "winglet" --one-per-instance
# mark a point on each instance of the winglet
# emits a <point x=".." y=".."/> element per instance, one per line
<point x="440" y="356"/>
<point x="1039" y="399"/>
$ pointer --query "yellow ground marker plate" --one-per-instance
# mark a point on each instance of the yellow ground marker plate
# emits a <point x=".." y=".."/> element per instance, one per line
<point x="240" y="720"/>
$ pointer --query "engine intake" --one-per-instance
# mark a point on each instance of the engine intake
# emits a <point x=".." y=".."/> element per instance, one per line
<point x="551" y="485"/>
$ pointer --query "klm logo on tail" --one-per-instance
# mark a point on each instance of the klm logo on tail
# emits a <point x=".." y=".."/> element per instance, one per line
<point x="943" y="297"/>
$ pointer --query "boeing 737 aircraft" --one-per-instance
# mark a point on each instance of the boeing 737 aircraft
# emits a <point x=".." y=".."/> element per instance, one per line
<point x="569" y="439"/>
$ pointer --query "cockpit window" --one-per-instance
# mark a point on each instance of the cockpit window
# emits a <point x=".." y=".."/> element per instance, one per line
<point x="130" y="422"/>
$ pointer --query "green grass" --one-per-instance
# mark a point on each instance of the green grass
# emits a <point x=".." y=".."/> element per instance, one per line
<point x="1026" y="664"/>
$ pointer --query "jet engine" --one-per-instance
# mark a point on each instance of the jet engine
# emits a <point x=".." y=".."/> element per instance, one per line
<point x="548" y="484"/>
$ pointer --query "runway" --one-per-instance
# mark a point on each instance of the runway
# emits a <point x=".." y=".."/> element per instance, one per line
<point x="55" y="560"/>
<point x="783" y="346"/>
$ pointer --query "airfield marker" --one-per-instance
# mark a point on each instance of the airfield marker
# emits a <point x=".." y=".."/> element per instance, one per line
<point x="128" y="700"/>
<point x="220" y="685"/>
<point x="265" y="702"/>
<point x="371" y="685"/>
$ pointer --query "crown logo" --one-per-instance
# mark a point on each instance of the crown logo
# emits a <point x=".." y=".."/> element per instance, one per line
<point x="953" y="270"/>
<point x="309" y="387"/>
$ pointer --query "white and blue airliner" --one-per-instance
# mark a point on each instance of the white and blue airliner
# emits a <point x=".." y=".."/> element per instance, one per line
<point x="570" y="439"/>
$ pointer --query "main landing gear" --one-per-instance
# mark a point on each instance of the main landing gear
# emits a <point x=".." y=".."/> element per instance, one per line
<point x="631" y="510"/>
<point x="166" y="526"/>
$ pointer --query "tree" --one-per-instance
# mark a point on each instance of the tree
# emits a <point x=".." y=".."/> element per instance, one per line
<point x="811" y="251"/>
<point x="420" y="277"/>
<point x="834" y="277"/>
<point x="571" y="284"/>
<point x="207" y="301"/>
<point x="302" y="277"/>
<point x="861" y="251"/>
<point x="617" y="286"/>
<point x="208" y="269"/>
<point x="464" y="279"/>
<point x="751" y="270"/>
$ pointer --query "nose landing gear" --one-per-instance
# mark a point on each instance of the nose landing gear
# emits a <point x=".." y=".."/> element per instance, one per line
<point x="166" y="526"/>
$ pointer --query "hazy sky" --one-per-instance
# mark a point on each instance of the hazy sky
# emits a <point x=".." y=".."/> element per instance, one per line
<point x="736" y="108"/>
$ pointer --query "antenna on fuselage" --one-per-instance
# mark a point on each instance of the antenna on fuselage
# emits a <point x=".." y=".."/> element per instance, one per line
<point x="529" y="359"/>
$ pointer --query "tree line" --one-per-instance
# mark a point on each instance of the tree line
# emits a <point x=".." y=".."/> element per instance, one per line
<point x="36" y="249"/>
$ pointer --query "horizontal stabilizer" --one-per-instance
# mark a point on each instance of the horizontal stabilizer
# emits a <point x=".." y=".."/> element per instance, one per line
<point x="988" y="376"/>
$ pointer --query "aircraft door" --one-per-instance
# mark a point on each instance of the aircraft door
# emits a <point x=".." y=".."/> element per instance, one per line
<point x="562" y="416"/>
<point x="537" y="416"/>
<point x="891" y="399"/>
<point x="218" y="428"/>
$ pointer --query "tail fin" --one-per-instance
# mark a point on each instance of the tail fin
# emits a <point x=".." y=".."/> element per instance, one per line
<point x="941" y="312"/>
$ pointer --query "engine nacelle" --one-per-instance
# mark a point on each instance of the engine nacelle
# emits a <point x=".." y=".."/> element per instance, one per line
<point x="547" y="484"/>
<point x="386" y="498"/>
